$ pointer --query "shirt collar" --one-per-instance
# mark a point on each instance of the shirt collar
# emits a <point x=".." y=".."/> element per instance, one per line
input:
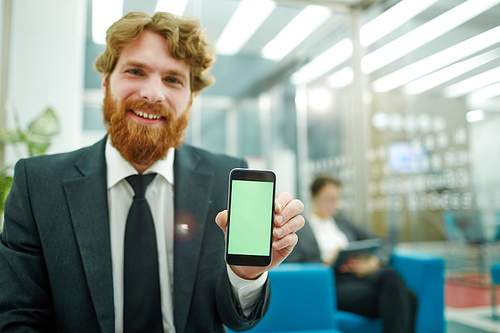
<point x="118" y="168"/>
<point x="317" y="221"/>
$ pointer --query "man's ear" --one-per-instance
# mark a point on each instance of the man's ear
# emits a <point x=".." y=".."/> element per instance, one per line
<point x="103" y="82"/>
<point x="191" y="99"/>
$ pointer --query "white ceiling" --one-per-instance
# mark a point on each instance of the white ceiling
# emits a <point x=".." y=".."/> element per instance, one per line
<point x="247" y="73"/>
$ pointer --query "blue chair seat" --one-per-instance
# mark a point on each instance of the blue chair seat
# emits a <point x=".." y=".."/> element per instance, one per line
<point x="354" y="323"/>
<point x="302" y="300"/>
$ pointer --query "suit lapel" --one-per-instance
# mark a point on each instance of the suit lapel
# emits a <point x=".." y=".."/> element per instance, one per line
<point x="88" y="206"/>
<point x="193" y="184"/>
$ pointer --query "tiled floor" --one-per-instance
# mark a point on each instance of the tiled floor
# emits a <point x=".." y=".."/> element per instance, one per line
<point x="468" y="310"/>
<point x="468" y="305"/>
<point x="471" y="320"/>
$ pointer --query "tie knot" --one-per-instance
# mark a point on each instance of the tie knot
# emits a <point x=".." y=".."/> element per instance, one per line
<point x="139" y="183"/>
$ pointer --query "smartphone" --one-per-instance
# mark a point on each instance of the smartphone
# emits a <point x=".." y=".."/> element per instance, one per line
<point x="250" y="217"/>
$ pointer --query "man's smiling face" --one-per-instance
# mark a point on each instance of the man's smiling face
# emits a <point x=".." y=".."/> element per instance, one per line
<point x="147" y="100"/>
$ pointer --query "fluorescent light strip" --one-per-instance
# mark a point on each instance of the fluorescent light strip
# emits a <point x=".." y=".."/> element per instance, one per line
<point x="475" y="115"/>
<point x="392" y="19"/>
<point x="248" y="17"/>
<point x="319" y="99"/>
<point x="176" y="7"/>
<point x="295" y="32"/>
<point x="341" y="78"/>
<point x="424" y="34"/>
<point x="473" y="83"/>
<point x="435" y="79"/>
<point x="437" y="60"/>
<point x="104" y="14"/>
<point x="490" y="91"/>
<point x="323" y="63"/>
<point x="370" y="32"/>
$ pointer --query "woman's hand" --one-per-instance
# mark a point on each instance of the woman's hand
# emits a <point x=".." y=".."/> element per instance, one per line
<point x="361" y="266"/>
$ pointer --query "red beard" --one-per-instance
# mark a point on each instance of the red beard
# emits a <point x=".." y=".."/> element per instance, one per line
<point x="138" y="143"/>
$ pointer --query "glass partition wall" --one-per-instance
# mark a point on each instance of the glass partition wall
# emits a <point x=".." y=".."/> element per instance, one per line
<point x="399" y="100"/>
<point x="414" y="134"/>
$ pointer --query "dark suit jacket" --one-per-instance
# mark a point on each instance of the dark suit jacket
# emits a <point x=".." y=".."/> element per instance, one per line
<point x="307" y="249"/>
<point x="55" y="253"/>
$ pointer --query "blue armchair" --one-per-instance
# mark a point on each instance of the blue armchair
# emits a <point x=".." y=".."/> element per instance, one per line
<point x="301" y="300"/>
<point x="424" y="274"/>
<point x="303" y="297"/>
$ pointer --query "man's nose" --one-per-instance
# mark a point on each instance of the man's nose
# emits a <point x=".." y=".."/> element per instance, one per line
<point x="153" y="90"/>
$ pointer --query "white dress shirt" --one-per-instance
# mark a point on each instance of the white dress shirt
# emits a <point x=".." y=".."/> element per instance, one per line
<point x="160" y="197"/>
<point x="328" y="236"/>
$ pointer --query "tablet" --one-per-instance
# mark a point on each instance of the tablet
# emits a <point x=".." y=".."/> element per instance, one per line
<point x="357" y="249"/>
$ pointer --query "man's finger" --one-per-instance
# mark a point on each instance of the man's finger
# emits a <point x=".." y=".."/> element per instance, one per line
<point x="221" y="220"/>
<point x="294" y="224"/>
<point x="292" y="209"/>
<point x="281" y="201"/>
<point x="289" y="241"/>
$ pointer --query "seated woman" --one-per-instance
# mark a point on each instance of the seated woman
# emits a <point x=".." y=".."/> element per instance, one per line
<point x="367" y="285"/>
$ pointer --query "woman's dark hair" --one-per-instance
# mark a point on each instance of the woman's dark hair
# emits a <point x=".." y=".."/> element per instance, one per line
<point x="322" y="180"/>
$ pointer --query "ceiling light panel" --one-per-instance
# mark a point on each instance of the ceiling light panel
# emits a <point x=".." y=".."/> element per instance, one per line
<point x="392" y="19"/>
<point x="446" y="74"/>
<point x="248" y="17"/>
<point x="295" y="32"/>
<point x="473" y="116"/>
<point x="104" y="14"/>
<point x="319" y="99"/>
<point x="482" y="94"/>
<point x="425" y="33"/>
<point x="481" y="80"/>
<point x="341" y="78"/>
<point x="176" y="7"/>
<point x="438" y="60"/>
<point x="323" y="63"/>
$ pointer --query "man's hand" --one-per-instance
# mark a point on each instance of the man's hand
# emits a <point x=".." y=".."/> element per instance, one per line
<point x="287" y="220"/>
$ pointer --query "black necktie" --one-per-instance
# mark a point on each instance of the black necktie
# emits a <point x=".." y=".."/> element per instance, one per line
<point x="141" y="281"/>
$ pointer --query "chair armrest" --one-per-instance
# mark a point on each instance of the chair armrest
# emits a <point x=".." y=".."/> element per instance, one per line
<point x="424" y="274"/>
<point x="495" y="273"/>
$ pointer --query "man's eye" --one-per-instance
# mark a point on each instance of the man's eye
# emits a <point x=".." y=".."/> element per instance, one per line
<point x="173" y="80"/>
<point x="134" y="71"/>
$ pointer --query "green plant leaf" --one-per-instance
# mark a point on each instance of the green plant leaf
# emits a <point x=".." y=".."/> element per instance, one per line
<point x="45" y="125"/>
<point x="10" y="136"/>
<point x="37" y="139"/>
<point x="37" y="144"/>
<point x="5" y="185"/>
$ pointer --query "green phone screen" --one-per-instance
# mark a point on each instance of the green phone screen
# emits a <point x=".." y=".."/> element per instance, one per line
<point x="250" y="221"/>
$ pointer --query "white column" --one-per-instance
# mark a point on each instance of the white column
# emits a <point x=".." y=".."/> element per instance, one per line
<point x="301" y="105"/>
<point x="359" y="125"/>
<point x="232" y="131"/>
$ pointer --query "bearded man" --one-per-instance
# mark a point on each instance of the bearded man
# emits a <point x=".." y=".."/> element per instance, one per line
<point x="70" y="261"/>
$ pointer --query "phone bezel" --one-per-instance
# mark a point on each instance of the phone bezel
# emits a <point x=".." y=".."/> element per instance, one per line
<point x="250" y="175"/>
